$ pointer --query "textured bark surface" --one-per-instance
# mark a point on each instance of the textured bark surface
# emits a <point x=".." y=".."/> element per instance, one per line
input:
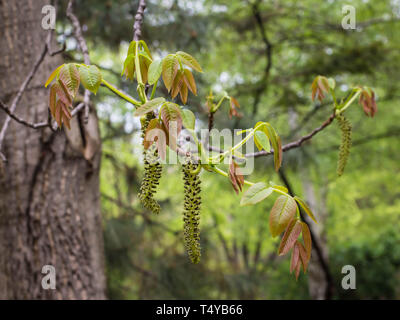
<point x="49" y="189"/>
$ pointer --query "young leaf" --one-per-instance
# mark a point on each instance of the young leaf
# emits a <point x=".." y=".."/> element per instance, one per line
<point x="148" y="107"/>
<point x="62" y="93"/>
<point x="155" y="132"/>
<point x="235" y="176"/>
<point x="184" y="92"/>
<point x="256" y="193"/>
<point x="305" y="207"/>
<point x="52" y="100"/>
<point x="90" y="77"/>
<point x="170" y="66"/>
<point x="176" y="85"/>
<point x="261" y="141"/>
<point x="154" y="71"/>
<point x="53" y="75"/>
<point x="189" y="61"/>
<point x="303" y="256"/>
<point x="289" y="238"/>
<point x="295" y="258"/>
<point x="233" y="112"/>
<point x="306" y="238"/>
<point x="69" y="76"/>
<point x="172" y="119"/>
<point x="188" y="119"/>
<point x="189" y="80"/>
<point x="278" y="187"/>
<point x="282" y="213"/>
<point x="129" y="67"/>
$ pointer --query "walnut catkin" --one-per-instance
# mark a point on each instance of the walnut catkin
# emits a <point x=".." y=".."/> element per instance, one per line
<point x="191" y="212"/>
<point x="345" y="145"/>
<point x="152" y="172"/>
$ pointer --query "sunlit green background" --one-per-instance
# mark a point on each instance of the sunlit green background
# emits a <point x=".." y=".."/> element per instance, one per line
<point x="358" y="213"/>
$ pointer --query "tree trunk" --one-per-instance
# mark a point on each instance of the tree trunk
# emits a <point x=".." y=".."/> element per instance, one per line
<point x="49" y="188"/>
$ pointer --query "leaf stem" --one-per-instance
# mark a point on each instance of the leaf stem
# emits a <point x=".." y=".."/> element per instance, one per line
<point x="120" y="93"/>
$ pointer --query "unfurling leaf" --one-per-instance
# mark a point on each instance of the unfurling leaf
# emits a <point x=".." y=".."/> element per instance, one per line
<point x="184" y="93"/>
<point x="52" y="100"/>
<point x="295" y="258"/>
<point x="306" y="208"/>
<point x="188" y="119"/>
<point x="170" y="66"/>
<point x="256" y="193"/>
<point x="278" y="187"/>
<point x="292" y="233"/>
<point x="303" y="255"/>
<point x="233" y="112"/>
<point x="305" y="231"/>
<point x="90" y="77"/>
<point x="189" y="80"/>
<point x="69" y="76"/>
<point x="189" y="61"/>
<point x="53" y="75"/>
<point x="320" y="86"/>
<point x="155" y="132"/>
<point x="282" y="213"/>
<point x="148" y="106"/>
<point x="171" y="116"/>
<point x="155" y="71"/>
<point x="275" y="142"/>
<point x="367" y="100"/>
<point x="62" y="93"/>
<point x="129" y="67"/>
<point x="235" y="176"/>
<point x="261" y="141"/>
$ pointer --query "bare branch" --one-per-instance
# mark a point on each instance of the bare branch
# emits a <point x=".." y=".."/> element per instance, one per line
<point x="137" y="26"/>
<point x="20" y="93"/>
<point x="82" y="44"/>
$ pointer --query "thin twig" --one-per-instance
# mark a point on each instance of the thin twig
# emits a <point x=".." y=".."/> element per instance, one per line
<point x="82" y="44"/>
<point x="137" y="26"/>
<point x="19" y="95"/>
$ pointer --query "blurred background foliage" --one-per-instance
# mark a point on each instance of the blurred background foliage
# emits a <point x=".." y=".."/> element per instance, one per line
<point x="266" y="54"/>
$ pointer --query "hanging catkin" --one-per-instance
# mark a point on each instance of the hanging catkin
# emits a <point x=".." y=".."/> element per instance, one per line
<point x="191" y="212"/>
<point x="152" y="172"/>
<point x="345" y="145"/>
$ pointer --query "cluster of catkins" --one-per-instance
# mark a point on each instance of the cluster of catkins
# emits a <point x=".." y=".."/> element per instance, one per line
<point x="192" y="189"/>
<point x="345" y="145"/>
<point x="152" y="172"/>
<point x="191" y="213"/>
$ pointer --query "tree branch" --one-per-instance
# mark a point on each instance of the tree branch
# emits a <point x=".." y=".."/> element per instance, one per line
<point x="82" y="44"/>
<point x="137" y="26"/>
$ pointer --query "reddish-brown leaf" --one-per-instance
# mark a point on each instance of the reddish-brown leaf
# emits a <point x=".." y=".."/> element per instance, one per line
<point x="176" y="85"/>
<point x="303" y="256"/>
<point x="52" y="100"/>
<point x="184" y="93"/>
<point x="233" y="111"/>
<point x="189" y="80"/>
<point x="292" y="233"/>
<point x="295" y="258"/>
<point x="62" y="93"/>
<point x="235" y="176"/>
<point x="367" y="100"/>
<point x="307" y="239"/>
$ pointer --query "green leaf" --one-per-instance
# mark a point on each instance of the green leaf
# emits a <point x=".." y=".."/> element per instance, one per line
<point x="188" y="119"/>
<point x="148" y="106"/>
<point x="256" y="193"/>
<point x="189" y="61"/>
<point x="132" y="47"/>
<point x="69" y="76"/>
<point x="169" y="69"/>
<point x="90" y="77"/>
<point x="282" y="212"/>
<point x="155" y="70"/>
<point x="53" y="75"/>
<point x="278" y="187"/>
<point x="261" y="141"/>
<point x="129" y="67"/>
<point x="275" y="142"/>
<point x="306" y="208"/>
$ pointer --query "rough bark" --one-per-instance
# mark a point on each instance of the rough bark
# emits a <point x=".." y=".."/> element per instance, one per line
<point x="49" y="188"/>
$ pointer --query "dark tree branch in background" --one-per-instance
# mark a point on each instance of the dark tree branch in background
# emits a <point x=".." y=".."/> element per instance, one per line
<point x="315" y="241"/>
<point x="268" y="55"/>
<point x="137" y="26"/>
<point x="297" y="143"/>
<point x="82" y="44"/>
